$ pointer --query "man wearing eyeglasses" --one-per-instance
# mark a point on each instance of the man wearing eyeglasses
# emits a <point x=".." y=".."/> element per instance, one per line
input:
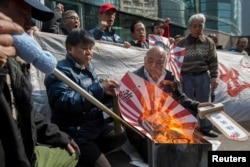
<point x="155" y="72"/>
<point x="69" y="18"/>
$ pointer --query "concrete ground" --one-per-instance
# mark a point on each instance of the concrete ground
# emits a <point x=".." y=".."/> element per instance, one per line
<point x="228" y="144"/>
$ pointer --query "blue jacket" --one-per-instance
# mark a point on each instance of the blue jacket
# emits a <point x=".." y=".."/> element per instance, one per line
<point x="70" y="111"/>
<point x="106" y="35"/>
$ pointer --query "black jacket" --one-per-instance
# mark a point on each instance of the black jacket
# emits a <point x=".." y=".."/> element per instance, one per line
<point x="54" y="25"/>
<point x="144" y="45"/>
<point x="172" y="87"/>
<point x="19" y="137"/>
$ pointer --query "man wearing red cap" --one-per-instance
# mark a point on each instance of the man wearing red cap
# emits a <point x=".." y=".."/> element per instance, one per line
<point x="105" y="32"/>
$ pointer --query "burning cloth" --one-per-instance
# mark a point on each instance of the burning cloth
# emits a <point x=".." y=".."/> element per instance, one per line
<point x="153" y="112"/>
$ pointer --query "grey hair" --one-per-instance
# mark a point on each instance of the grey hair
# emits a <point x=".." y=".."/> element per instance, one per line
<point x="197" y="17"/>
<point x="66" y="13"/>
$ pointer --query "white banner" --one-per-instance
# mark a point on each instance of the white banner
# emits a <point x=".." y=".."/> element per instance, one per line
<point x="115" y="60"/>
<point x="234" y="85"/>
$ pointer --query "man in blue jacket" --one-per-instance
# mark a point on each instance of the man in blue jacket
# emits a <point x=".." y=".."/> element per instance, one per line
<point x="105" y="31"/>
<point x="72" y="112"/>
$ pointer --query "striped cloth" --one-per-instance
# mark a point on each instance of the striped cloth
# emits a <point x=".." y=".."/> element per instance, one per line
<point x="176" y="58"/>
<point x="141" y="101"/>
<point x="175" y="61"/>
<point x="152" y="38"/>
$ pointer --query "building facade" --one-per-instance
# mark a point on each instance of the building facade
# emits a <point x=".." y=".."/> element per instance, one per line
<point x="223" y="16"/>
<point x="245" y="18"/>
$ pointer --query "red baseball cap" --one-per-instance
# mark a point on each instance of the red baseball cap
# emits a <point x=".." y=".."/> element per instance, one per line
<point x="106" y="6"/>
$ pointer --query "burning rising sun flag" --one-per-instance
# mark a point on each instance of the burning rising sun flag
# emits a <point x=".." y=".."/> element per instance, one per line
<point x="153" y="112"/>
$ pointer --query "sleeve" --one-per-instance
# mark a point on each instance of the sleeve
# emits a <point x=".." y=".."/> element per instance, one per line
<point x="212" y="60"/>
<point x="118" y="39"/>
<point x="184" y="100"/>
<point x="64" y="99"/>
<point x="49" y="133"/>
<point x="3" y="73"/>
<point x="166" y="31"/>
<point x="97" y="33"/>
<point x="53" y="26"/>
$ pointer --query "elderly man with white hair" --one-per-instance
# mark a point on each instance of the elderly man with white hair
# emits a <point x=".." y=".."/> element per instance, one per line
<point x="200" y="67"/>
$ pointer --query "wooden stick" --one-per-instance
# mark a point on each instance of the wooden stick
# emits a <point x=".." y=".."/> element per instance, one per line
<point x="90" y="98"/>
<point x="117" y="125"/>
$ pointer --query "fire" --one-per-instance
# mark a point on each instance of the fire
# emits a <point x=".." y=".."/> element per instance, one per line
<point x="162" y="126"/>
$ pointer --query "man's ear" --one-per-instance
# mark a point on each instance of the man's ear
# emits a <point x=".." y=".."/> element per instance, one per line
<point x="69" y="48"/>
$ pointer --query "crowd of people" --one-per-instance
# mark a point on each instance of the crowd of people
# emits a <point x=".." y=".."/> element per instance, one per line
<point x="77" y="134"/>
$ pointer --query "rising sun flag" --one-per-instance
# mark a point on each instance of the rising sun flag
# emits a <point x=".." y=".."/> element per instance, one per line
<point x="175" y="61"/>
<point x="176" y="54"/>
<point x="153" y="112"/>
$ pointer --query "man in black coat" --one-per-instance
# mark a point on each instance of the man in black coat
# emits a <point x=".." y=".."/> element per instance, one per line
<point x="22" y="128"/>
<point x="154" y="71"/>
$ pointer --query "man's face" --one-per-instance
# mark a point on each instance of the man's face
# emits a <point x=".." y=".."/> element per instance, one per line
<point x="139" y="31"/>
<point x="108" y="16"/>
<point x="82" y="53"/>
<point x="71" y="21"/>
<point x="242" y="44"/>
<point x="155" y="62"/>
<point x="19" y="12"/>
<point x="196" y="28"/>
<point x="158" y="30"/>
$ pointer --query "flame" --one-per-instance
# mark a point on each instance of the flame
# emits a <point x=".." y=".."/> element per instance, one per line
<point x="163" y="127"/>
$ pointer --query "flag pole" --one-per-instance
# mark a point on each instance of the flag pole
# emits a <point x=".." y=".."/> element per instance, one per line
<point x="90" y="98"/>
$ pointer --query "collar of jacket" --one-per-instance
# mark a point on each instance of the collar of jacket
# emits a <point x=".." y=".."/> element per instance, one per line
<point x="89" y="66"/>
<point x="140" y="41"/>
<point x="202" y="38"/>
<point x="112" y="31"/>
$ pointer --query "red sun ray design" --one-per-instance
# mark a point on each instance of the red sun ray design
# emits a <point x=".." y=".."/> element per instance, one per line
<point x="153" y="112"/>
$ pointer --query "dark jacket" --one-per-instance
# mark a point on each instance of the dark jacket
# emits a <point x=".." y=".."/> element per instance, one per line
<point x="109" y="36"/>
<point x="172" y="87"/>
<point x="53" y="26"/>
<point x="70" y="111"/>
<point x="19" y="137"/>
<point x="144" y="45"/>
